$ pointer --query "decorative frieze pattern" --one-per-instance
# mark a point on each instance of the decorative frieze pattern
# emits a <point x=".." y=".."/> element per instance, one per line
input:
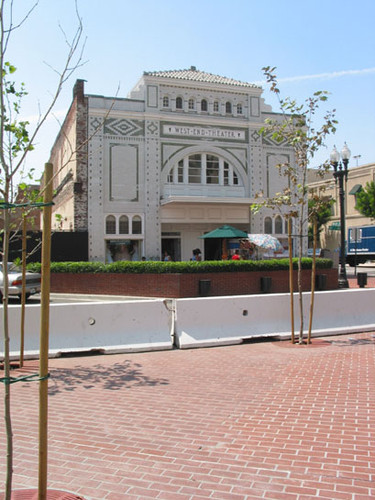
<point x="269" y="141"/>
<point x="114" y="126"/>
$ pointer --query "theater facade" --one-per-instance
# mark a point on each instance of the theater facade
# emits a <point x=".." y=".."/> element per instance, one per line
<point x="153" y="172"/>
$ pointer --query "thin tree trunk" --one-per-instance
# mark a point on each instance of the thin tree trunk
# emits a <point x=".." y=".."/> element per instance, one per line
<point x="313" y="274"/>
<point x="7" y="392"/>
<point x="23" y="296"/>
<point x="299" y="279"/>
<point x="290" y="246"/>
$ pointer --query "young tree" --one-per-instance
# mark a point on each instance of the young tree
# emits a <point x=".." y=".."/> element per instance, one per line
<point x="320" y="211"/>
<point x="295" y="127"/>
<point x="16" y="141"/>
<point x="365" y="202"/>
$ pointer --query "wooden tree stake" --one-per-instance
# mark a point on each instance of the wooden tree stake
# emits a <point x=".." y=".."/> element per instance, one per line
<point x="44" y="333"/>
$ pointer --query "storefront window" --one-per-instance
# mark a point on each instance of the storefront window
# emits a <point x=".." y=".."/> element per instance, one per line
<point x="126" y="250"/>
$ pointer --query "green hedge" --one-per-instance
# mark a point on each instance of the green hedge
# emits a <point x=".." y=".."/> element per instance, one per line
<point x="154" y="267"/>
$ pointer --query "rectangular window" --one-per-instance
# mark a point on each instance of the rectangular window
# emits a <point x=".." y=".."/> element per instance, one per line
<point x="212" y="170"/>
<point x="355" y="234"/>
<point x="226" y="174"/>
<point x="180" y="172"/>
<point x="195" y="169"/>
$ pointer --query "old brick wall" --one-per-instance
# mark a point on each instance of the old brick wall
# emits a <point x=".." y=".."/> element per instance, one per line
<point x="181" y="285"/>
<point x="69" y="158"/>
<point x="80" y="188"/>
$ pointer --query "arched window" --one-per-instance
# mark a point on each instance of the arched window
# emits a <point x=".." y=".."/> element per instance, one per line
<point x="110" y="224"/>
<point x="165" y="101"/>
<point x="216" y="106"/>
<point x="239" y="109"/>
<point x="124" y="224"/>
<point x="178" y="102"/>
<point x="268" y="225"/>
<point x="191" y="104"/>
<point x="228" y="107"/>
<point x="137" y="225"/>
<point x="203" y="169"/>
<point x="203" y="105"/>
<point x="278" y="225"/>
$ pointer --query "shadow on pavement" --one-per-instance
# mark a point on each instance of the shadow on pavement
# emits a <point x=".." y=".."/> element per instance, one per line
<point x="120" y="376"/>
<point x="352" y="341"/>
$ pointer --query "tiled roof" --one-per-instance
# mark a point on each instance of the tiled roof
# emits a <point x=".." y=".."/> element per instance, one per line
<point x="194" y="75"/>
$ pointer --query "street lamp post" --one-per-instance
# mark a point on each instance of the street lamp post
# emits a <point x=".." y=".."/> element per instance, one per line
<point x="340" y="173"/>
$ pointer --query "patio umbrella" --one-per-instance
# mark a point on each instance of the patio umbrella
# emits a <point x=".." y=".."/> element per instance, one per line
<point x="265" y="242"/>
<point x="225" y="233"/>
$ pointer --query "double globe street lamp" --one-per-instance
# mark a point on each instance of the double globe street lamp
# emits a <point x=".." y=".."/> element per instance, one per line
<point x="340" y="166"/>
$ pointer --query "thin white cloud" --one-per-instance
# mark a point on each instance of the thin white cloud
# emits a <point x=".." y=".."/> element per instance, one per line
<point x="325" y="76"/>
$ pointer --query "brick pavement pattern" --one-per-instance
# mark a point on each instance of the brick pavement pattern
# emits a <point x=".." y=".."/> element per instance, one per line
<point x="258" y="420"/>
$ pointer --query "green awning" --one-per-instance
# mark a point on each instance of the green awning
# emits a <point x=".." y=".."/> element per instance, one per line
<point x="356" y="189"/>
<point x="335" y="226"/>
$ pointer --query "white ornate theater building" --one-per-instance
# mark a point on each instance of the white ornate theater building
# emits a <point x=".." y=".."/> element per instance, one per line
<point x="177" y="158"/>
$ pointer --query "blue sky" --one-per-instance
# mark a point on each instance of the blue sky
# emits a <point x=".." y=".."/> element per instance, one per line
<point x="317" y="45"/>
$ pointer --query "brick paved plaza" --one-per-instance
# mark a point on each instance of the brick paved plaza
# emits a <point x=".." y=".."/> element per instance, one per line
<point x="257" y="420"/>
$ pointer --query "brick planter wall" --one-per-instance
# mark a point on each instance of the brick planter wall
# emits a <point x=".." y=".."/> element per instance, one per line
<point x="182" y="285"/>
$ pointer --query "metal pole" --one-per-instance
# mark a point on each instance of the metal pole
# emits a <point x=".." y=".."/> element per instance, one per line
<point x="44" y="333"/>
<point x="355" y="232"/>
<point x="343" y="281"/>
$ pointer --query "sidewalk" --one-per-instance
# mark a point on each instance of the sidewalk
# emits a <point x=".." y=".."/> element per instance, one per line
<point x="259" y="420"/>
<point x="352" y="280"/>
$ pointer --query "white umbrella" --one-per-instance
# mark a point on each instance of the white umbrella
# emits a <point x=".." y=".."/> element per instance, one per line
<point x="265" y="242"/>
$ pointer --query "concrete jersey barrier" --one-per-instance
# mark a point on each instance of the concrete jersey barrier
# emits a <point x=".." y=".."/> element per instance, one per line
<point x="107" y="327"/>
<point x="229" y="320"/>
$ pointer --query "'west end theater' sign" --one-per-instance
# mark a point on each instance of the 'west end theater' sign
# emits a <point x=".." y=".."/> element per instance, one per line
<point x="207" y="133"/>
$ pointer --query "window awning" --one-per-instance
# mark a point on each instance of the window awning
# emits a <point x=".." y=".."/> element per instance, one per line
<point x="356" y="189"/>
<point x="335" y="226"/>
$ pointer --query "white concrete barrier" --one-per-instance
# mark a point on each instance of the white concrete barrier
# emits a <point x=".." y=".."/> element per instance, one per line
<point x="146" y="325"/>
<point x="108" y="327"/>
<point x="229" y="320"/>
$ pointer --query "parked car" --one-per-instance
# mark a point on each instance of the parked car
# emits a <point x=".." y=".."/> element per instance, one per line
<point x="15" y="281"/>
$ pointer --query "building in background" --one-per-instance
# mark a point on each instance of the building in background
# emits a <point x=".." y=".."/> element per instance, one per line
<point x="16" y="215"/>
<point x="153" y="172"/>
<point x="326" y="186"/>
